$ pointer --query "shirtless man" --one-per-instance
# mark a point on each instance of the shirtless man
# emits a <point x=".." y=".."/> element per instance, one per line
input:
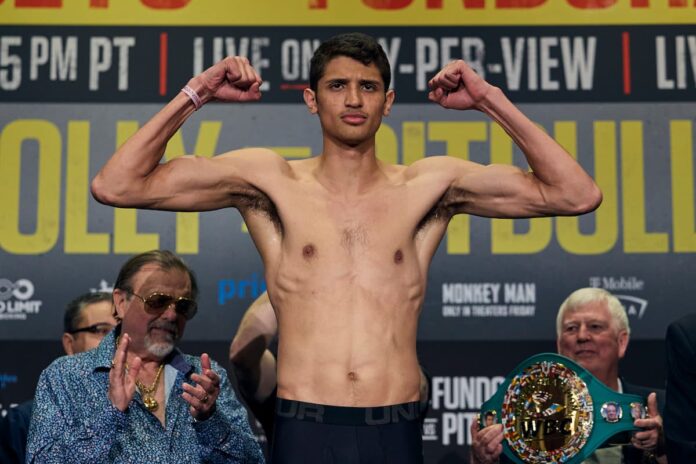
<point x="346" y="239"/>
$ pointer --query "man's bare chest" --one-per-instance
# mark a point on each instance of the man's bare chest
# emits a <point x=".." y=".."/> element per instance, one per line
<point x="382" y="225"/>
<point x="353" y="218"/>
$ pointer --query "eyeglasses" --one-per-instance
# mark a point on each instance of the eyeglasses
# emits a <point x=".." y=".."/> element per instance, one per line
<point x="97" y="329"/>
<point x="157" y="303"/>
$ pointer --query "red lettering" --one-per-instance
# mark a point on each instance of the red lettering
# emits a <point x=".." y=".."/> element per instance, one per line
<point x="433" y="4"/>
<point x="165" y="4"/>
<point x="99" y="3"/>
<point x="39" y="3"/>
<point x="518" y="3"/>
<point x="437" y="4"/>
<point x="646" y="3"/>
<point x="387" y="4"/>
<point x="590" y="4"/>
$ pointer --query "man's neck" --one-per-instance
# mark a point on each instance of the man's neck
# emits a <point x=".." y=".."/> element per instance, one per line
<point x="148" y="369"/>
<point x="348" y="169"/>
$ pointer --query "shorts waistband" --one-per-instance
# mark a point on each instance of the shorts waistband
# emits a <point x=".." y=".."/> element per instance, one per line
<point x="345" y="415"/>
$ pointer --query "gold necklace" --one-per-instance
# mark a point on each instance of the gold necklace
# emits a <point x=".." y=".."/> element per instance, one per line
<point x="148" y="393"/>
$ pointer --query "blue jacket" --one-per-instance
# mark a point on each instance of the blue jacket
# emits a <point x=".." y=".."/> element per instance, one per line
<point x="74" y="421"/>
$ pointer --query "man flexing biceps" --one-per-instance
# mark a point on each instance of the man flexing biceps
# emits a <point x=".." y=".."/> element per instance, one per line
<point x="345" y="238"/>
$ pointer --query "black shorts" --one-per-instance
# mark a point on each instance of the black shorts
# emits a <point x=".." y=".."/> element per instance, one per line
<point x="317" y="433"/>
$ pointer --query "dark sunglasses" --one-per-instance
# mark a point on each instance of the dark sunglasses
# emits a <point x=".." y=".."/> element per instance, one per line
<point x="157" y="303"/>
<point x="97" y="329"/>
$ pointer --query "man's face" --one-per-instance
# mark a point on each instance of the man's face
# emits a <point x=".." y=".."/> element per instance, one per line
<point x="97" y="316"/>
<point x="153" y="334"/>
<point x="589" y="337"/>
<point x="350" y="101"/>
<point x="490" y="420"/>
<point x="611" y="413"/>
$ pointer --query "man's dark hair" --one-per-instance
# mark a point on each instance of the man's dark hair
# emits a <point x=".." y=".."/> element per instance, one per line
<point x="162" y="258"/>
<point x="360" y="47"/>
<point x="73" y="311"/>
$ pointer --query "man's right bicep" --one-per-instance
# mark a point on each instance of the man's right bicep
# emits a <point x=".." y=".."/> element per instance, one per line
<point x="195" y="183"/>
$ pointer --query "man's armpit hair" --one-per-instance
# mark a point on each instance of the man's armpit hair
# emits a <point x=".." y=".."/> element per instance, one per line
<point x="256" y="201"/>
<point x="441" y="211"/>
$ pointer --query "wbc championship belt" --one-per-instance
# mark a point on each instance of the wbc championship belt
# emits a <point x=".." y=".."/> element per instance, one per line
<point x="553" y="410"/>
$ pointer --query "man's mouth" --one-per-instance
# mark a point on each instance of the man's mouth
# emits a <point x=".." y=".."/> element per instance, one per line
<point x="354" y="118"/>
<point x="168" y="331"/>
<point x="584" y="353"/>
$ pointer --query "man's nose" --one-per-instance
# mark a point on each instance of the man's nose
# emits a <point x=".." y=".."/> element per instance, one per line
<point x="353" y="97"/>
<point x="170" y="313"/>
<point x="583" y="333"/>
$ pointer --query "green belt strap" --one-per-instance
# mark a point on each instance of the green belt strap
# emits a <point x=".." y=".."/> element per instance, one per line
<point x="554" y="410"/>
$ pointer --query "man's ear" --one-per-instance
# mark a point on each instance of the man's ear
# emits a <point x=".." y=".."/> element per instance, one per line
<point x="68" y="343"/>
<point x="390" y="96"/>
<point x="119" y="301"/>
<point x="310" y="98"/>
<point x="623" y="343"/>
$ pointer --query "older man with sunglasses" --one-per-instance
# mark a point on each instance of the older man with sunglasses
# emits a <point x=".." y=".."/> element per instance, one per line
<point x="136" y="398"/>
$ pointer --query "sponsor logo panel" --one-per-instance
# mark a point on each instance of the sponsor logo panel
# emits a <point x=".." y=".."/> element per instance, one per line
<point x="249" y="287"/>
<point x="625" y="289"/>
<point x="488" y="299"/>
<point x="455" y="404"/>
<point x="16" y="299"/>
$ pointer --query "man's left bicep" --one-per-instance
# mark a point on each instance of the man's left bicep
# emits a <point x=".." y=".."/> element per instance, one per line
<point x="498" y="191"/>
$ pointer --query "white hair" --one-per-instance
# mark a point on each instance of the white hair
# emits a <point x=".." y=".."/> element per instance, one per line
<point x="586" y="295"/>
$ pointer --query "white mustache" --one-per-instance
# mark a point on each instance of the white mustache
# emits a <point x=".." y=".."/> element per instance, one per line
<point x="164" y="325"/>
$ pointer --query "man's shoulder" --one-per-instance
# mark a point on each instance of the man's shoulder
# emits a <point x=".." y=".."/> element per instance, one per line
<point x="644" y="391"/>
<point x="75" y="364"/>
<point x="255" y="155"/>
<point x="685" y="325"/>
<point x="21" y="414"/>
<point x="634" y="389"/>
<point x="443" y="165"/>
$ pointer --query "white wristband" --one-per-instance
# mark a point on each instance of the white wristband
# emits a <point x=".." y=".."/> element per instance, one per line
<point x="197" y="102"/>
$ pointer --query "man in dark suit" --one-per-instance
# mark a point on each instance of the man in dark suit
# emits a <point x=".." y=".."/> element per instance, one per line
<point x="680" y="410"/>
<point x="592" y="329"/>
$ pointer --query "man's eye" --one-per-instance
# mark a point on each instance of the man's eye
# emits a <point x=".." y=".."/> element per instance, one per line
<point x="336" y="86"/>
<point x="369" y="87"/>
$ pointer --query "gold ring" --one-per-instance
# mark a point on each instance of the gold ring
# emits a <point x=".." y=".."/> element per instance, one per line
<point x="205" y="398"/>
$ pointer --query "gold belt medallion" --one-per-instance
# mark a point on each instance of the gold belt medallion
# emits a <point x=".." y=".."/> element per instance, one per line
<point x="547" y="413"/>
